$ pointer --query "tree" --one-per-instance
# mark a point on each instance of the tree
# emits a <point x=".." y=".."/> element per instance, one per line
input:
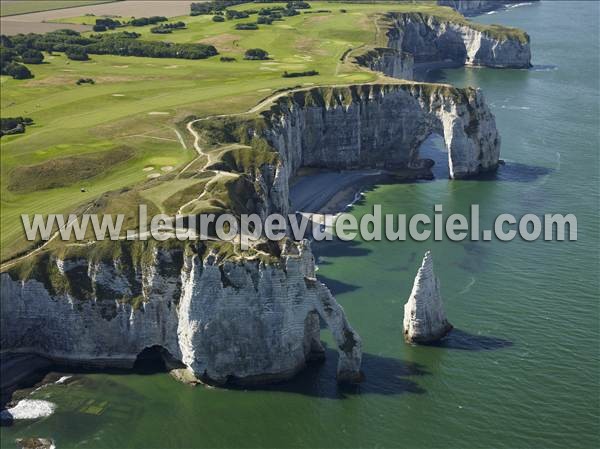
<point x="18" y="71"/>
<point x="246" y="26"/>
<point x="32" y="57"/>
<point x="99" y="28"/>
<point x="77" y="53"/>
<point x="5" y="41"/>
<point x="256" y="54"/>
<point x="218" y="19"/>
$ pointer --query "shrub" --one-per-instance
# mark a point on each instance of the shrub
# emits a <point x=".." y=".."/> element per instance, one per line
<point x="298" y="5"/>
<point x="5" y="41"/>
<point x="32" y="57"/>
<point x="218" y="19"/>
<point x="77" y="53"/>
<point x="160" y="30"/>
<point x="13" y="125"/>
<point x="143" y="21"/>
<point x="108" y="23"/>
<point x="264" y="20"/>
<point x="18" y="71"/>
<point x="246" y="26"/>
<point x="174" y="25"/>
<point x="213" y="7"/>
<point x="227" y="59"/>
<point x="233" y="14"/>
<point x="287" y="74"/>
<point x="99" y="28"/>
<point x="256" y="54"/>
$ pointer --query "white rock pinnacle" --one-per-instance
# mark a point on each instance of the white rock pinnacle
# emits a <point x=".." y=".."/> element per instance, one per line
<point x="424" y="316"/>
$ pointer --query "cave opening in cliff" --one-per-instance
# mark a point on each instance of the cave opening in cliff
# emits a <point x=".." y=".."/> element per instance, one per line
<point x="434" y="148"/>
<point x="155" y="359"/>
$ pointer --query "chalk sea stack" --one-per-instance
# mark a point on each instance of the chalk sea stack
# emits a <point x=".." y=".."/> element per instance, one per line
<point x="424" y="316"/>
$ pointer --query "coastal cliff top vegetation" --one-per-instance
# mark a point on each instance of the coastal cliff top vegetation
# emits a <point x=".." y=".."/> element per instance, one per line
<point x="128" y="129"/>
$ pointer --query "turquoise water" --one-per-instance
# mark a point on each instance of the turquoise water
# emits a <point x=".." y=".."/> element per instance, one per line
<point x="522" y="371"/>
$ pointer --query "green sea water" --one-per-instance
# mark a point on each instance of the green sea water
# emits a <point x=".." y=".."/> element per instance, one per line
<point x="522" y="370"/>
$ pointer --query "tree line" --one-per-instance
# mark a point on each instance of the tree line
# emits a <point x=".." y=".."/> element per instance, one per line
<point x="27" y="48"/>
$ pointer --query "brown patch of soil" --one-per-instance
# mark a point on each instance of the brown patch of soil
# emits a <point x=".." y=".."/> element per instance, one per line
<point x="223" y="42"/>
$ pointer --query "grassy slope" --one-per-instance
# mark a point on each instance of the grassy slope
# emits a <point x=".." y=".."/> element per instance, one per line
<point x="116" y="111"/>
<point x="14" y="7"/>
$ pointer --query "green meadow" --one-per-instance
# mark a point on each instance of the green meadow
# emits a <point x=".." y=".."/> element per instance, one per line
<point x="126" y="125"/>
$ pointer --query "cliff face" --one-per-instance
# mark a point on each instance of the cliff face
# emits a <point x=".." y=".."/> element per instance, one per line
<point x="424" y="316"/>
<point x="434" y="41"/>
<point x="240" y="318"/>
<point x="235" y="321"/>
<point x="475" y="7"/>
<point x="382" y="126"/>
<point x="388" y="61"/>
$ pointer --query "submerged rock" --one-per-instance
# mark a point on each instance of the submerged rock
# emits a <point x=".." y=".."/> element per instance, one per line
<point x="424" y="316"/>
<point x="35" y="443"/>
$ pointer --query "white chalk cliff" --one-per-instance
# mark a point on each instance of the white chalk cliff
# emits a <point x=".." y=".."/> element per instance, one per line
<point x="424" y="315"/>
<point x="475" y="7"/>
<point x="241" y="321"/>
<point x="438" y="42"/>
<point x="382" y="126"/>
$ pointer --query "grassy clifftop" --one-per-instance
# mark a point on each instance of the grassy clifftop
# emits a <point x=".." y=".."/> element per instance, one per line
<point x="127" y="131"/>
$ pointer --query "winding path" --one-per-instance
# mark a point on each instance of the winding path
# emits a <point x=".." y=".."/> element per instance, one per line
<point x="190" y="128"/>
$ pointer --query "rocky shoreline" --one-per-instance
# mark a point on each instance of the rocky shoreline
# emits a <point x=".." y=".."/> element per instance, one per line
<point x="477" y="7"/>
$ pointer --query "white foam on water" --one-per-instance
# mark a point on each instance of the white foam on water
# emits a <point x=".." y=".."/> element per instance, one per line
<point x="29" y="409"/>
<point x="515" y="108"/>
<point x="63" y="379"/>
<point x="468" y="286"/>
<point x="518" y="5"/>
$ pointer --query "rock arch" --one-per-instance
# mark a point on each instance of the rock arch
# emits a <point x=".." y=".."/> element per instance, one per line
<point x="382" y="126"/>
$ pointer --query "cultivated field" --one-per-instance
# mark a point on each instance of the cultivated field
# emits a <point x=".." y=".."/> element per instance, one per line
<point x="14" y="7"/>
<point x="127" y="124"/>
<point x="36" y="22"/>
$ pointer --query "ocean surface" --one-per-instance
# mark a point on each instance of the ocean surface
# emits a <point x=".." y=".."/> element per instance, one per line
<point x="522" y="369"/>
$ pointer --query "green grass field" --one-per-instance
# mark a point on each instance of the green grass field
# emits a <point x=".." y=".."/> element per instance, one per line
<point x="138" y="104"/>
<point x="15" y="7"/>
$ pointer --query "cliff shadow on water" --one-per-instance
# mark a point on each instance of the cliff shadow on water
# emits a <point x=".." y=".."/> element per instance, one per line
<point x="383" y="376"/>
<point x="462" y="340"/>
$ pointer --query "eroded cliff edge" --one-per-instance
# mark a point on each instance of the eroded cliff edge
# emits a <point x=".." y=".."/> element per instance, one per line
<point x="221" y="315"/>
<point x="418" y="40"/>
<point x="476" y="7"/>
<point x="228" y="321"/>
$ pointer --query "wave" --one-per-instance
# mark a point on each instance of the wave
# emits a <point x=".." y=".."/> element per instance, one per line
<point x="468" y="286"/>
<point x="63" y="379"/>
<point x="357" y="197"/>
<point x="544" y="68"/>
<point x="518" y="5"/>
<point x="515" y="108"/>
<point x="29" y="409"/>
